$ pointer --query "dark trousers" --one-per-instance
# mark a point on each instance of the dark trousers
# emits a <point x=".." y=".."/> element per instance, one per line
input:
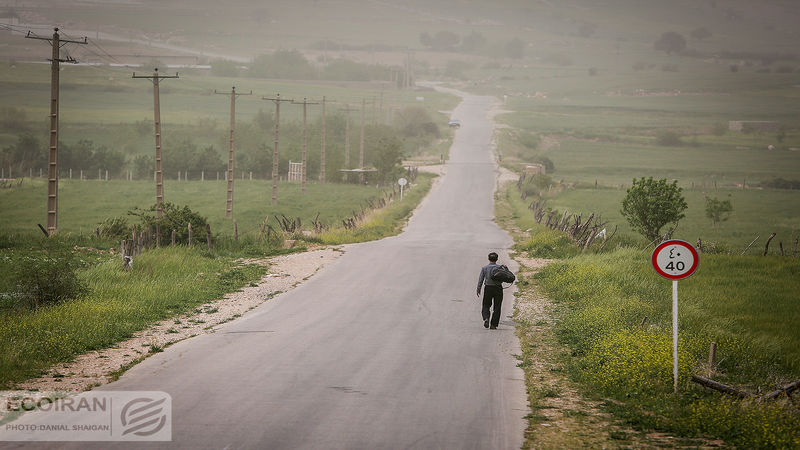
<point x="492" y="295"/>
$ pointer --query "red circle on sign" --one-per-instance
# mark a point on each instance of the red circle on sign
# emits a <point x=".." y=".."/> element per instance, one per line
<point x="665" y="247"/>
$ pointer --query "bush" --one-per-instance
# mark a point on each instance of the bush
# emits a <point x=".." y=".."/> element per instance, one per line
<point x="548" y="164"/>
<point x="780" y="183"/>
<point x="48" y="279"/>
<point x="718" y="210"/>
<point x="175" y="218"/>
<point x="114" y="227"/>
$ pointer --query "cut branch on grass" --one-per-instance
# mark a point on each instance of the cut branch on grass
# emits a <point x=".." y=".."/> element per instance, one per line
<point x="788" y="389"/>
<point x="717" y="386"/>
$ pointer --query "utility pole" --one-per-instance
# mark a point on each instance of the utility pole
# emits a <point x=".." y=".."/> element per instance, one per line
<point x="305" y="147"/>
<point x="347" y="110"/>
<point x="52" y="167"/>
<point x="277" y="101"/>
<point x="229" y="205"/>
<point x="407" y="81"/>
<point x="322" y="156"/>
<point x="156" y="79"/>
<point x="361" y="143"/>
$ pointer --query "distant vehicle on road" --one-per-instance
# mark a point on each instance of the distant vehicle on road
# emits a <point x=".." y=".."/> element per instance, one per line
<point x="455" y="123"/>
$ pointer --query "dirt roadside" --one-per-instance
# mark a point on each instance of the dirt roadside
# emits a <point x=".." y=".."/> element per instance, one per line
<point x="100" y="367"/>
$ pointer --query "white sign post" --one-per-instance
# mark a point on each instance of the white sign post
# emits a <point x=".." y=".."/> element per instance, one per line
<point x="675" y="260"/>
<point x="402" y="182"/>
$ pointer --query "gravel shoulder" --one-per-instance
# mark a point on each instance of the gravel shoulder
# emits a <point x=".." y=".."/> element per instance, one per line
<point x="100" y="367"/>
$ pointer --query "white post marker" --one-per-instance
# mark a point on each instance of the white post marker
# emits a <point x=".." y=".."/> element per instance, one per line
<point x="402" y="182"/>
<point x="675" y="260"/>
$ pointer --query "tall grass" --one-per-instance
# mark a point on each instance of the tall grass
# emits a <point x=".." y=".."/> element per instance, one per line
<point x="162" y="283"/>
<point x="748" y="305"/>
<point x="386" y="221"/>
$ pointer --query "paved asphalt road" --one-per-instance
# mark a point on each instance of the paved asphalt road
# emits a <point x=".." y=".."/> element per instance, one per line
<point x="385" y="348"/>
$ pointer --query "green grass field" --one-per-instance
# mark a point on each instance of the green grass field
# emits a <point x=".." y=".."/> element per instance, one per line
<point x="748" y="305"/>
<point x="166" y="281"/>
<point x="84" y="204"/>
<point x="756" y="213"/>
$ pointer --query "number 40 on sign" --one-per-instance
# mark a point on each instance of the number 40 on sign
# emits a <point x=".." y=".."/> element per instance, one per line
<point x="675" y="260"/>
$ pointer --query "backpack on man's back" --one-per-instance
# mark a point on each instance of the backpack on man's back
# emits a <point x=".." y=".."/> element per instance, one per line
<point x="501" y="274"/>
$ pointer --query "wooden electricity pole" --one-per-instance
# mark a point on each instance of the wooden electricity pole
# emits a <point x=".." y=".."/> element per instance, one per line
<point x="52" y="167"/>
<point x="305" y="147"/>
<point x="361" y="143"/>
<point x="347" y="110"/>
<point x="322" y="155"/>
<point x="277" y="101"/>
<point x="229" y="204"/>
<point x="156" y="79"/>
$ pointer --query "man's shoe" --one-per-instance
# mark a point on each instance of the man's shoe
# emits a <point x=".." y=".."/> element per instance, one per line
<point x="493" y="327"/>
<point x="486" y="323"/>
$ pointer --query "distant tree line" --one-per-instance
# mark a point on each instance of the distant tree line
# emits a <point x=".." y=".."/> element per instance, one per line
<point x="291" y="64"/>
<point x="474" y="42"/>
<point x="384" y="147"/>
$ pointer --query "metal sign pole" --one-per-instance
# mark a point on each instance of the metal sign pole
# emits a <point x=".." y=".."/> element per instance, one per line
<point x="675" y="260"/>
<point x="675" y="336"/>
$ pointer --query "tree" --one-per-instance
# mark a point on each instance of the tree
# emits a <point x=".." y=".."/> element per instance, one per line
<point x="415" y="121"/>
<point x="473" y="42"/>
<point x="27" y="153"/>
<point x="651" y="204"/>
<point x="426" y="39"/>
<point x="670" y="42"/>
<point x="224" y="68"/>
<point x="445" y="40"/>
<point x="718" y="210"/>
<point x="386" y="152"/>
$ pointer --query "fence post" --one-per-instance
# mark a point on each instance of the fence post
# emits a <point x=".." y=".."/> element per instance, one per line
<point x="173" y="237"/>
<point x="133" y="241"/>
<point x="235" y="231"/>
<point x="190" y="235"/>
<point x="208" y="236"/>
<point x="158" y="235"/>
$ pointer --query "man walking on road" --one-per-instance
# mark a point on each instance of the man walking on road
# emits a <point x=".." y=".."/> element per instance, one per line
<point x="492" y="294"/>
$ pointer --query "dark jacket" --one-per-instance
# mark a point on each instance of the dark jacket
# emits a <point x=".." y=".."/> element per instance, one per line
<point x="485" y="276"/>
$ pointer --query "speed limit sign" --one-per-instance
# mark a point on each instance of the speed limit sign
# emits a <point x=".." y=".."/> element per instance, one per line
<point x="675" y="259"/>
